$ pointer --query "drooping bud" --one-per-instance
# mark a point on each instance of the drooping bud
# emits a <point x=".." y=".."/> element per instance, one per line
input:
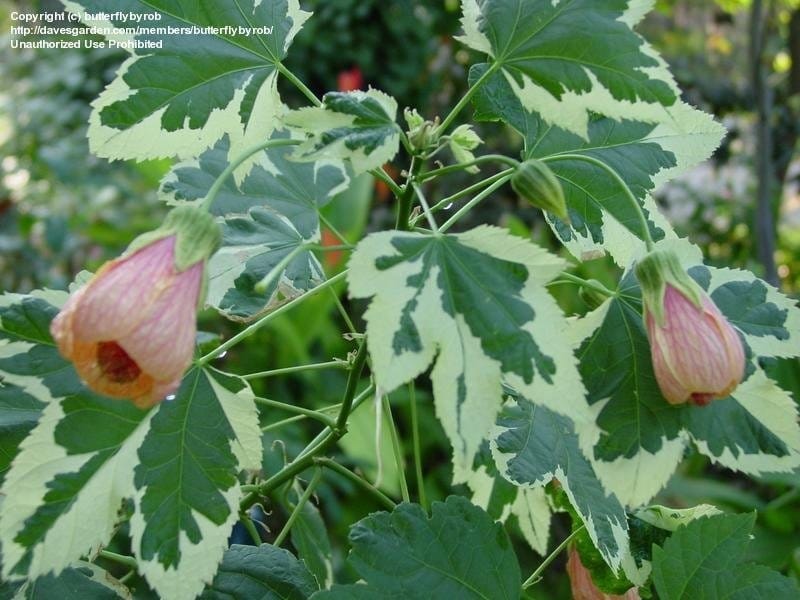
<point x="130" y="331"/>
<point x="584" y="588"/>
<point x="535" y="182"/>
<point x="697" y="354"/>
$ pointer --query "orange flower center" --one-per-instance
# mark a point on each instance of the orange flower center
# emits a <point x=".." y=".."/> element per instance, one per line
<point x="115" y="363"/>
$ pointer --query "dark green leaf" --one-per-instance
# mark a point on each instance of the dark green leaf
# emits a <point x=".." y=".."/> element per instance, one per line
<point x="703" y="560"/>
<point x="457" y="552"/>
<point x="264" y="572"/>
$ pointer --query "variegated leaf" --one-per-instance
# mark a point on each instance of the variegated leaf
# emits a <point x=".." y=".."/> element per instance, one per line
<point x="643" y="154"/>
<point x="267" y="218"/>
<point x="533" y="445"/>
<point x="187" y="492"/>
<point x="570" y="58"/>
<point x="476" y="304"/>
<point x="168" y="99"/>
<point x="355" y="126"/>
<point x="88" y="453"/>
<point x="639" y="438"/>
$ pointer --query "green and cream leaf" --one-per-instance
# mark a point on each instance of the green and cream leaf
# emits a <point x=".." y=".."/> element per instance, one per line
<point x="639" y="439"/>
<point x="533" y="445"/>
<point x="358" y="127"/>
<point x="187" y="491"/>
<point x="643" y="154"/>
<point x="267" y="218"/>
<point x="168" y="100"/>
<point x="571" y="58"/>
<point x="475" y="304"/>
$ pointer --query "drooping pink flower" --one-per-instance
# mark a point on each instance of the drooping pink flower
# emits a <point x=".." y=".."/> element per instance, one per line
<point x="130" y="331"/>
<point x="583" y="587"/>
<point x="697" y="354"/>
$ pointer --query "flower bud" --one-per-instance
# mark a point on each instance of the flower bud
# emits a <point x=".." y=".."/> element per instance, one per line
<point x="535" y="182"/>
<point x="130" y="331"/>
<point x="697" y="354"/>
<point x="583" y="588"/>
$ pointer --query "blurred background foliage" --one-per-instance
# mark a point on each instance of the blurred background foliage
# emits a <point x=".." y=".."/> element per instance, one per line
<point x="63" y="210"/>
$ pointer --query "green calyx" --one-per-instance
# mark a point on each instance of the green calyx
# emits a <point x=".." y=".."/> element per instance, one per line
<point x="197" y="236"/>
<point x="654" y="272"/>
<point x="421" y="133"/>
<point x="535" y="182"/>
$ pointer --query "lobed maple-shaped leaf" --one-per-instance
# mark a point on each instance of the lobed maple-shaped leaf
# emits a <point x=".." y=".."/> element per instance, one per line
<point x="475" y="303"/>
<point x="704" y="559"/>
<point x="569" y="58"/>
<point x="358" y="127"/>
<point x="644" y="153"/>
<point x="639" y="438"/>
<point x="534" y="445"/>
<point x="168" y="99"/>
<point x="456" y="552"/>
<point x="88" y="453"/>
<point x="267" y="218"/>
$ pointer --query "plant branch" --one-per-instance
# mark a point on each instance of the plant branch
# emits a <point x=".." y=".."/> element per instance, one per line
<point x="312" y="485"/>
<point x="469" y="205"/>
<point x="397" y="449"/>
<point x="298" y="410"/>
<point x="596" y="286"/>
<point x="250" y="330"/>
<point x="412" y="397"/>
<point x="252" y="531"/>
<point x="128" y="561"/>
<point x="365" y="485"/>
<point x="465" y="100"/>
<point x="511" y="162"/>
<point x="332" y="364"/>
<point x="323" y="441"/>
<point x="536" y="576"/>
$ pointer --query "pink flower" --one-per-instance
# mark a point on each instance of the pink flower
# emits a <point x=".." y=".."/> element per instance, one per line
<point x="583" y="588"/>
<point x="697" y="354"/>
<point x="130" y="332"/>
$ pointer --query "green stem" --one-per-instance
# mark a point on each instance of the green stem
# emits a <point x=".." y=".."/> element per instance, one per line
<point x="128" y="561"/>
<point x="569" y="277"/>
<point x="390" y="183"/>
<point x="332" y="364"/>
<point x="536" y="576"/>
<point x="299" y="410"/>
<point x="513" y="163"/>
<point x="412" y="396"/>
<point x="220" y="180"/>
<point x="312" y="97"/>
<point x="359" y="481"/>
<point x="250" y="330"/>
<point x="425" y="208"/>
<point x="648" y="239"/>
<point x="322" y="442"/>
<point x="445" y="202"/>
<point x="333" y="229"/>
<point x="784" y="499"/>
<point x="343" y="312"/>
<point x="404" y="200"/>
<point x="282" y="422"/>
<point x="275" y="272"/>
<point x="251" y="529"/>
<point x="469" y="205"/>
<point x="465" y="100"/>
<point x="397" y="449"/>
<point x="312" y="485"/>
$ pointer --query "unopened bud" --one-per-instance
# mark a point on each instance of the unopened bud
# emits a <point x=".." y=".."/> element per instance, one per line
<point x="535" y="182"/>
